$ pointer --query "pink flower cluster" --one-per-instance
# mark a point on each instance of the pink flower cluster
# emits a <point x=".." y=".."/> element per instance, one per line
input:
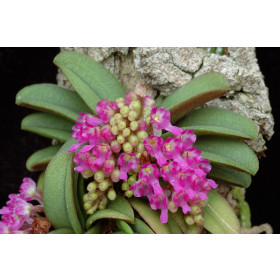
<point x="17" y="215"/>
<point x="124" y="139"/>
<point x="179" y="164"/>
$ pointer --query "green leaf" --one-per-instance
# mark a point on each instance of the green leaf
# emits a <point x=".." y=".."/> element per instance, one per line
<point x="194" y="94"/>
<point x="219" y="216"/>
<point x="89" y="78"/>
<point x="96" y="229"/>
<point x="54" y="190"/>
<point x="40" y="159"/>
<point x="66" y="146"/>
<point x="48" y="125"/>
<point x="121" y="205"/>
<point x="69" y="197"/>
<point x="107" y="214"/>
<point x="40" y="182"/>
<point x="150" y="216"/>
<point x="53" y="99"/>
<point x="141" y="227"/>
<point x="173" y="225"/>
<point x="123" y="226"/>
<point x="62" y="231"/>
<point x="220" y="122"/>
<point x="80" y="194"/>
<point x="230" y="175"/>
<point x="228" y="152"/>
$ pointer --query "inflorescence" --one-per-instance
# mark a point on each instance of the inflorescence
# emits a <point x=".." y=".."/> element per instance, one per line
<point x="123" y="144"/>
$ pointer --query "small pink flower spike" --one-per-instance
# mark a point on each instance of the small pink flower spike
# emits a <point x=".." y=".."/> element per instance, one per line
<point x="172" y="149"/>
<point x="102" y="153"/>
<point x="160" y="202"/>
<point x="149" y="174"/>
<point x="141" y="188"/>
<point x="106" y="133"/>
<point x="188" y="138"/>
<point x="129" y="97"/>
<point x="160" y="118"/>
<point x="153" y="144"/>
<point x="4" y="229"/>
<point x="181" y="199"/>
<point x="106" y="109"/>
<point x="127" y="162"/>
<point x="28" y="190"/>
<point x="170" y="173"/>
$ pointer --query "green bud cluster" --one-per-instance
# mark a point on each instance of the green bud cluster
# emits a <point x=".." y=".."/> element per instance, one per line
<point x="195" y="215"/>
<point x="98" y="195"/>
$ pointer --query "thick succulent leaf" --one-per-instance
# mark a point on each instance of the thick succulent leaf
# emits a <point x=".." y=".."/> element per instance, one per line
<point x="66" y="146"/>
<point x="219" y="216"/>
<point x="228" y="152"/>
<point x="229" y="175"/>
<point x="53" y="99"/>
<point x="123" y="226"/>
<point x="150" y="216"/>
<point x="40" y="182"/>
<point x="220" y="122"/>
<point x="140" y="227"/>
<point x="54" y="190"/>
<point x="69" y="197"/>
<point x="48" y="125"/>
<point x="194" y="94"/>
<point x="80" y="194"/>
<point x="80" y="212"/>
<point x="62" y="231"/>
<point x="40" y="159"/>
<point x="107" y="214"/>
<point x="174" y="227"/>
<point x="118" y="209"/>
<point x="96" y="229"/>
<point x="89" y="78"/>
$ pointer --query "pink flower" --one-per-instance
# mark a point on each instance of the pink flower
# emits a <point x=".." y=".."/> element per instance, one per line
<point x="129" y="97"/>
<point x="170" y="173"/>
<point x="28" y="190"/>
<point x="160" y="202"/>
<point x="106" y="109"/>
<point x="102" y="153"/>
<point x="153" y="144"/>
<point x="148" y="102"/>
<point x="188" y="138"/>
<point x="106" y="133"/>
<point x="149" y="174"/>
<point x="160" y="118"/>
<point x="141" y="188"/>
<point x="127" y="162"/>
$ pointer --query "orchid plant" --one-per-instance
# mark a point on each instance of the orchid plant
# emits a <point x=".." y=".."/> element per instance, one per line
<point x="124" y="163"/>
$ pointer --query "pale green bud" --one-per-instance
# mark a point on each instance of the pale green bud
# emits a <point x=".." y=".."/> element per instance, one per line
<point x="118" y="117"/>
<point x="92" y="196"/>
<point x="195" y="209"/>
<point x="103" y="203"/>
<point x="115" y="130"/>
<point x="140" y="148"/>
<point x="132" y="115"/>
<point x="172" y="207"/>
<point x="85" y="197"/>
<point x="125" y="186"/>
<point x="87" y="205"/>
<point x="131" y="179"/>
<point x="135" y="105"/>
<point x="126" y="132"/>
<point x="120" y="102"/>
<point x="91" y="187"/>
<point x="121" y="125"/>
<point x="129" y="194"/>
<point x="127" y="147"/>
<point x="99" y="176"/>
<point x="133" y="125"/>
<point x="189" y="220"/>
<point x="120" y="139"/>
<point x="124" y="111"/>
<point x="142" y="135"/>
<point x="199" y="220"/>
<point x="111" y="194"/>
<point x="112" y="121"/>
<point x="104" y="185"/>
<point x="133" y="140"/>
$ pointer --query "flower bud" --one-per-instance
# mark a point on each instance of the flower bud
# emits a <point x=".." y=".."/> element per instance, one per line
<point x="93" y="208"/>
<point x="195" y="209"/>
<point x="115" y="176"/>
<point x="120" y="139"/>
<point x="199" y="220"/>
<point x="87" y="205"/>
<point x="189" y="220"/>
<point x="99" y="176"/>
<point x="133" y="125"/>
<point x="118" y="117"/>
<point x="87" y="173"/>
<point x="91" y="187"/>
<point x="85" y="197"/>
<point x="121" y="125"/>
<point x="137" y="170"/>
<point x="115" y="146"/>
<point x="124" y="111"/>
<point x="129" y="194"/>
<point x="108" y="166"/>
<point x="103" y="203"/>
<point x="135" y="105"/>
<point x="126" y="132"/>
<point x="132" y="115"/>
<point x="92" y="196"/>
<point x="125" y="186"/>
<point x="115" y="130"/>
<point x="142" y="125"/>
<point x="131" y="179"/>
<point x="142" y="135"/>
<point x="146" y="112"/>
<point x="111" y="194"/>
<point x="127" y="147"/>
<point x="133" y="140"/>
<point x="148" y="119"/>
<point x="104" y="185"/>
<point x="120" y="102"/>
<point x="202" y="203"/>
<point x="112" y="121"/>
<point x="172" y="207"/>
<point x="140" y="148"/>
